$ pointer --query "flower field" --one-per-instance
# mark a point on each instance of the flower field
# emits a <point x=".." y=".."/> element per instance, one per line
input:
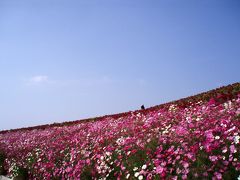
<point x="192" y="138"/>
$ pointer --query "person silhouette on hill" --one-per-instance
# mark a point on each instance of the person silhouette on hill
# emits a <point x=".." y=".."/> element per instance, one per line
<point x="142" y="107"/>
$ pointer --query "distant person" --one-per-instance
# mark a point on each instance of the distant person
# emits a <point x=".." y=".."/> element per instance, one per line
<point x="142" y="107"/>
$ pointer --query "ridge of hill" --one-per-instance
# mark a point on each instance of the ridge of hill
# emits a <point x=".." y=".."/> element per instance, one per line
<point x="224" y="93"/>
<point x="197" y="137"/>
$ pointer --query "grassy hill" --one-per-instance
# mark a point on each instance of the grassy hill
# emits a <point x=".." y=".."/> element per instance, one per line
<point x="192" y="138"/>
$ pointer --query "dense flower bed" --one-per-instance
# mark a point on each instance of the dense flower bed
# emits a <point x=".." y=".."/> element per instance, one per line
<point x="193" y="138"/>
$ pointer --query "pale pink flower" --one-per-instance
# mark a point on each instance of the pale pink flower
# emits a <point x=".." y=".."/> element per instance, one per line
<point x="218" y="175"/>
<point x="213" y="158"/>
<point x="159" y="169"/>
<point x="233" y="149"/>
<point x="185" y="165"/>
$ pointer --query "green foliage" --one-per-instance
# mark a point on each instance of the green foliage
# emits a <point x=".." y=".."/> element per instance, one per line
<point x="137" y="159"/>
<point x="232" y="173"/>
<point x="236" y="89"/>
<point x="2" y="158"/>
<point x="152" y="145"/>
<point x="86" y="173"/>
<point x="199" y="166"/>
<point x="237" y="117"/>
<point x="20" y="173"/>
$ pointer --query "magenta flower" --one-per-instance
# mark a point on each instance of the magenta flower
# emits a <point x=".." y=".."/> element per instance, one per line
<point x="218" y="175"/>
<point x="181" y="131"/>
<point x="149" y="176"/>
<point x="165" y="142"/>
<point x="209" y="136"/>
<point x="211" y="102"/>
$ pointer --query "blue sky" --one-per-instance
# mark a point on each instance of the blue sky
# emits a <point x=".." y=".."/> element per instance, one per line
<point x="67" y="60"/>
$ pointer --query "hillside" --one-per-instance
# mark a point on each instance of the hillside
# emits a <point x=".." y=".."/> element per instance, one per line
<point x="192" y="138"/>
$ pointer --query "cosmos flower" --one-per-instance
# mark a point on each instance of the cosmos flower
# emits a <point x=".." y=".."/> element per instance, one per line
<point x="159" y="169"/>
<point x="144" y="167"/>
<point x="149" y="144"/>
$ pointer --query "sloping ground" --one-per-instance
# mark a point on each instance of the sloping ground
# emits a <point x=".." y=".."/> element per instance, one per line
<point x="193" y="138"/>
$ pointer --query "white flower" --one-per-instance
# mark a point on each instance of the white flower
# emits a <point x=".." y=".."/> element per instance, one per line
<point x="231" y="129"/>
<point x="120" y="141"/>
<point x="172" y="108"/>
<point x="127" y="176"/>
<point x="228" y="105"/>
<point x="238" y="177"/>
<point x="224" y="125"/>
<point x="136" y="174"/>
<point x="144" y="166"/>
<point x="217" y="137"/>
<point x="225" y="150"/>
<point x="108" y="153"/>
<point x="135" y="168"/>
<point x="140" y="177"/>
<point x="165" y="132"/>
<point x="198" y="119"/>
<point x="236" y="139"/>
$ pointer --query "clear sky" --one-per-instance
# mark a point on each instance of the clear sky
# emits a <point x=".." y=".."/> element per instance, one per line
<point x="64" y="60"/>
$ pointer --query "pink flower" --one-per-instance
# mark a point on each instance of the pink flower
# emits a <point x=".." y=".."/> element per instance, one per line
<point x="233" y="149"/>
<point x="211" y="102"/>
<point x="88" y="161"/>
<point x="225" y="163"/>
<point x="159" y="169"/>
<point x="149" y="176"/>
<point x="218" y="175"/>
<point x="238" y="111"/>
<point x="213" y="158"/>
<point x="205" y="174"/>
<point x="185" y="165"/>
<point x="209" y="136"/>
<point x="68" y="169"/>
<point x="184" y="176"/>
<point x="181" y="130"/>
